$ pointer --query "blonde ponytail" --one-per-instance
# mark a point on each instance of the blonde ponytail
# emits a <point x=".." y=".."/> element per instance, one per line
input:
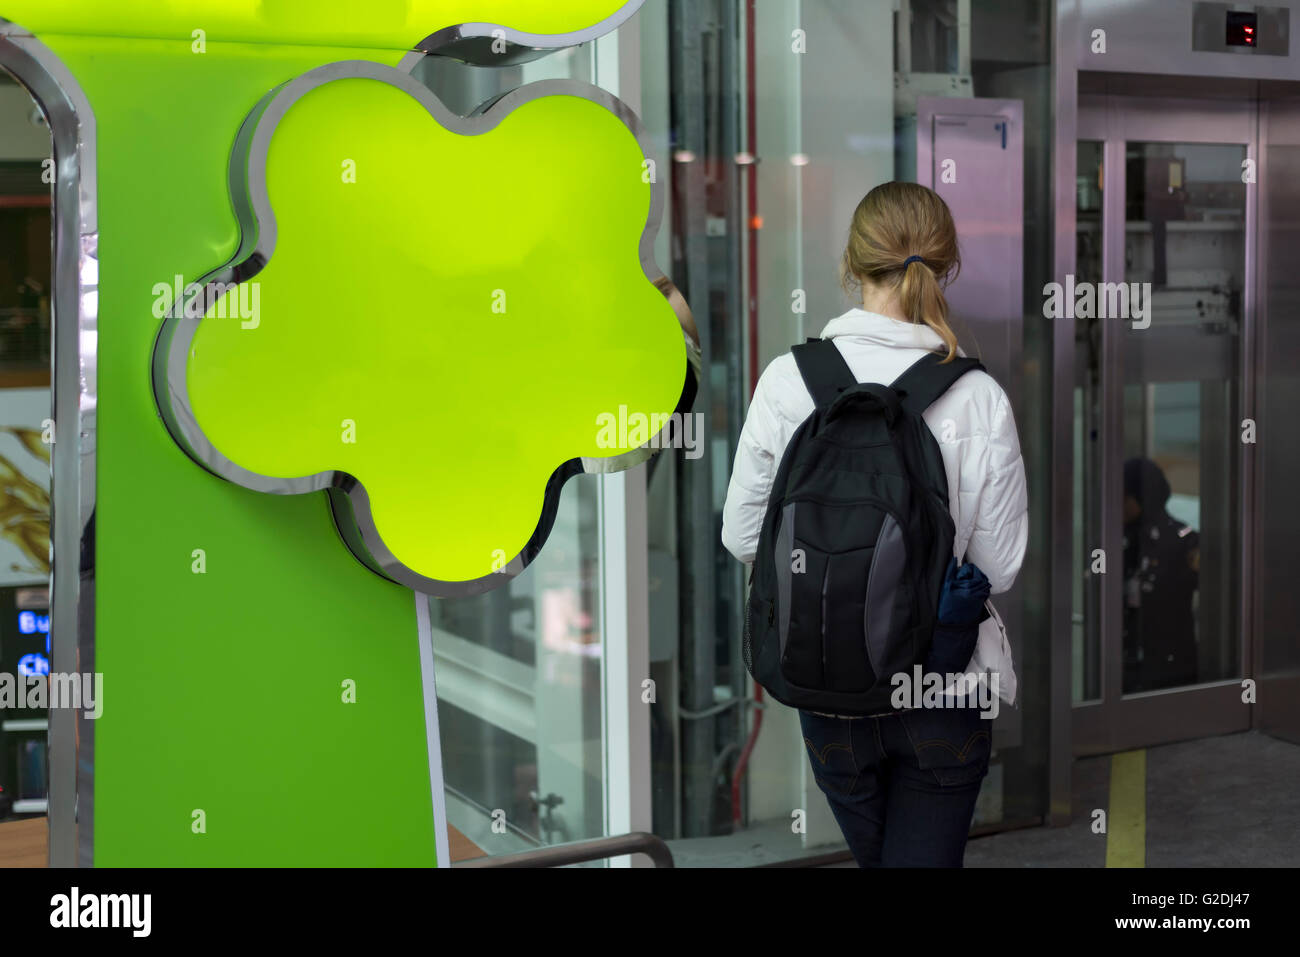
<point x="902" y="235"/>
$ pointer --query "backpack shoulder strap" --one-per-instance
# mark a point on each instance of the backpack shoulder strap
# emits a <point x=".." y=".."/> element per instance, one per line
<point x="929" y="377"/>
<point x="824" y="370"/>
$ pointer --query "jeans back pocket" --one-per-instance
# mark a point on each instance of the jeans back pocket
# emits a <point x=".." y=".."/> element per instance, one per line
<point x="954" y="744"/>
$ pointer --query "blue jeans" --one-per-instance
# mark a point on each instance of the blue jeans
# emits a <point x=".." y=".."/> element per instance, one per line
<point x="902" y="786"/>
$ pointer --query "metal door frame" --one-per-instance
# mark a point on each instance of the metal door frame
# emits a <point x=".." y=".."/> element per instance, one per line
<point x="1117" y="722"/>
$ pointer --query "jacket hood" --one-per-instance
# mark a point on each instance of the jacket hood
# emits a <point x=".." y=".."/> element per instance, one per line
<point x="1146" y="482"/>
<point x="884" y="331"/>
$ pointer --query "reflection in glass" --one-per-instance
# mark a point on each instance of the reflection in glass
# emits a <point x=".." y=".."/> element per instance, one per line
<point x="1184" y="242"/>
<point x="518" y="672"/>
<point x="1161" y="560"/>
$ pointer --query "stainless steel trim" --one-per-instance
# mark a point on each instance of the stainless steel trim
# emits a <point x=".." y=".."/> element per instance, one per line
<point x="1065" y="98"/>
<point x="991" y="311"/>
<point x="931" y="112"/>
<point x="475" y="43"/>
<point x="1156" y="36"/>
<point x="1247" y="366"/>
<point x="258" y="234"/>
<point x="1111" y="612"/>
<point x="1269" y="355"/>
<point x="73" y="392"/>
<point x="1165" y="716"/>
<point x="1163" y="119"/>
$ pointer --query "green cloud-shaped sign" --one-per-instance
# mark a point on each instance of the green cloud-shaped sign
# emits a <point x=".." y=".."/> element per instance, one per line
<point x="430" y="316"/>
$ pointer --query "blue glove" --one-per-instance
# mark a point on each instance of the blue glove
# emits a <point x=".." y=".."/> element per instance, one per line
<point x="961" y="609"/>
<point x="965" y="589"/>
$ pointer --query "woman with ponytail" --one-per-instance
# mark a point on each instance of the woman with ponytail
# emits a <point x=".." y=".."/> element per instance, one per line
<point x="903" y="785"/>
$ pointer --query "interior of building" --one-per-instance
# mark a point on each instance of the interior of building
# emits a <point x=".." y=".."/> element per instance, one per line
<point x="1143" y="149"/>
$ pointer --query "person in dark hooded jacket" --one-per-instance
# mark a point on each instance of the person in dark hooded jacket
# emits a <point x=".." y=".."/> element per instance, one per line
<point x="1161" y="561"/>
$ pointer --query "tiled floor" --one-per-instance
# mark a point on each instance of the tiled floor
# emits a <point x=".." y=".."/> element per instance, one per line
<point x="1226" y="801"/>
<point x="1230" y="801"/>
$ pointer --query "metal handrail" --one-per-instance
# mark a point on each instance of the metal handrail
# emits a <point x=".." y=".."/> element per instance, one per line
<point x="578" y="852"/>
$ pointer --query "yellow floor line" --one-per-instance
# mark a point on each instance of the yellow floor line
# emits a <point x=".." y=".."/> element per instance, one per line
<point x="1126" y="820"/>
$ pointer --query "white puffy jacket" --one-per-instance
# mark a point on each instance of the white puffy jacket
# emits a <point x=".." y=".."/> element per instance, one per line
<point x="981" y="455"/>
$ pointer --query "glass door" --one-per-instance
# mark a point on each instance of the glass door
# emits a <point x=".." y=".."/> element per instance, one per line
<point x="1162" y="299"/>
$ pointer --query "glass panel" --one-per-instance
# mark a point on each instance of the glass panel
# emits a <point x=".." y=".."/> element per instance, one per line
<point x="1086" y="627"/>
<point x="518" y="674"/>
<point x="691" y="83"/>
<point x="761" y="213"/>
<point x="1185" y="262"/>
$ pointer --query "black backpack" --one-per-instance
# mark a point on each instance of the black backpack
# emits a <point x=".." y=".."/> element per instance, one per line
<point x="856" y="539"/>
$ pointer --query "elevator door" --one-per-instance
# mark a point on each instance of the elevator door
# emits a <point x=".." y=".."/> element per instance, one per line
<point x="1164" y="304"/>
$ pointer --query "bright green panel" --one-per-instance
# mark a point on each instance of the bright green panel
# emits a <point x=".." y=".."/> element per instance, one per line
<point x="473" y="304"/>
<point x="391" y="24"/>
<point x="223" y="690"/>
